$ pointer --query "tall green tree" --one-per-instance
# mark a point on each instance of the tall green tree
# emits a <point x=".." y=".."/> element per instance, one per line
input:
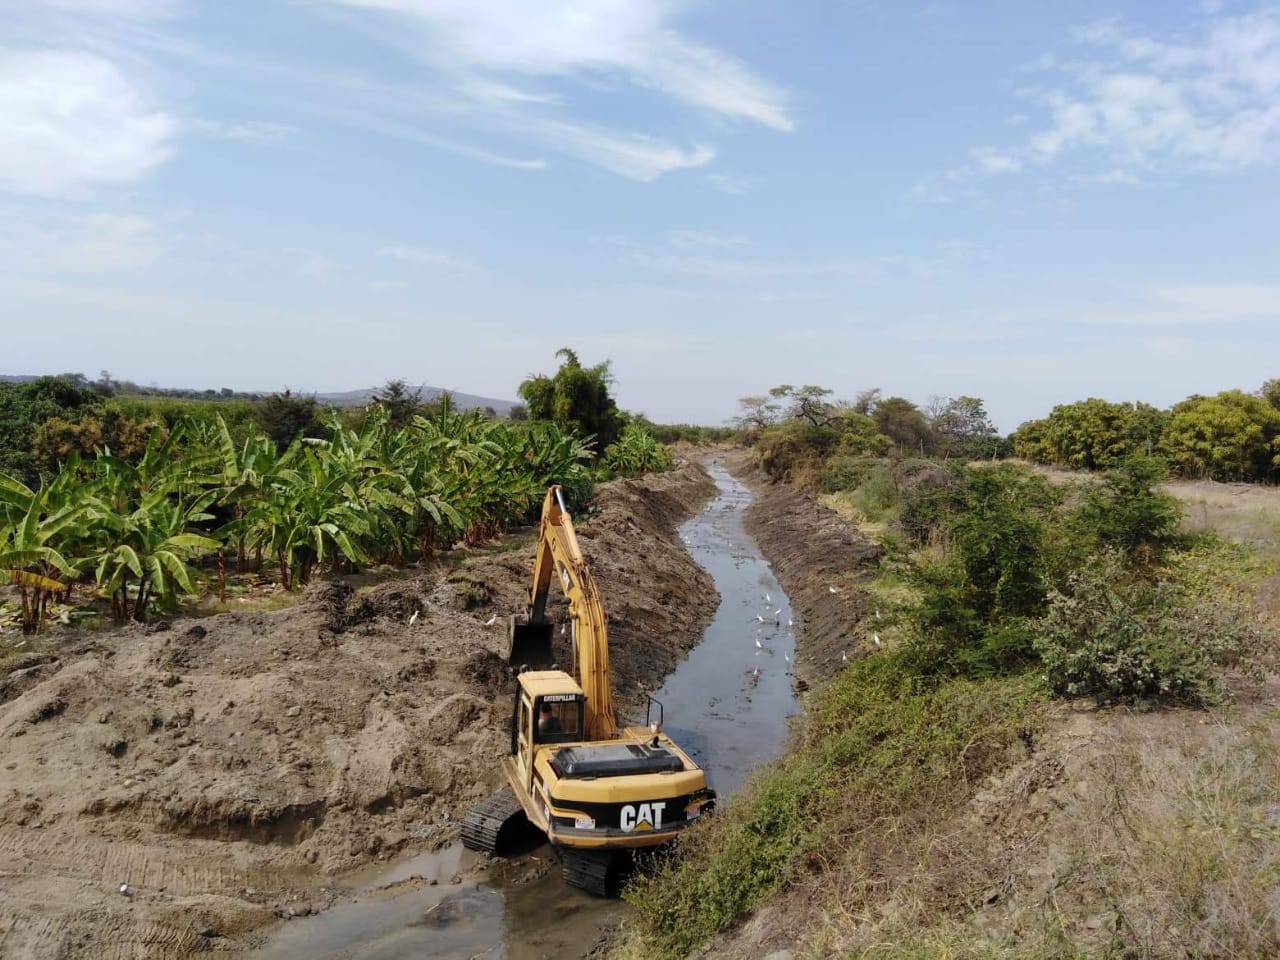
<point x="1230" y="436"/>
<point x="286" y="416"/>
<point x="963" y="429"/>
<point x="575" y="398"/>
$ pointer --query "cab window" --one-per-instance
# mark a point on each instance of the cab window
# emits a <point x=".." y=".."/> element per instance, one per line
<point x="558" y="720"/>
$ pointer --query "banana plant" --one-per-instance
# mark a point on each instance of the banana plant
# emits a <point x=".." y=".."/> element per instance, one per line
<point x="143" y="555"/>
<point x="34" y="525"/>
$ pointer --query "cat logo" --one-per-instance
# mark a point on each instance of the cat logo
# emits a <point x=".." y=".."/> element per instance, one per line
<point x="648" y="816"/>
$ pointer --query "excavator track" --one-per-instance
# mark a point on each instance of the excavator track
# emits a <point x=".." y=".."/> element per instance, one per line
<point x="495" y="823"/>
<point x="599" y="872"/>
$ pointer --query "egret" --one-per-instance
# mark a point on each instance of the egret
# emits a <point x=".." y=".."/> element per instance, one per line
<point x="759" y="645"/>
<point x="491" y="621"/>
<point x="767" y="598"/>
<point x="877" y="614"/>
<point x="759" y="618"/>
<point x="414" y="619"/>
<point x="790" y="622"/>
<point x="786" y="657"/>
<point x="844" y="658"/>
<point x="777" y="614"/>
<point x="876" y="639"/>
<point x="832" y="590"/>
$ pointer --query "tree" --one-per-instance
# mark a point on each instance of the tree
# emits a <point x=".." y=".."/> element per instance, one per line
<point x="576" y="398"/>
<point x="866" y="402"/>
<point x="1127" y="512"/>
<point x="1230" y="436"/>
<point x="808" y="403"/>
<point x="285" y="416"/>
<point x="757" y="413"/>
<point x="963" y="429"/>
<point x="399" y="402"/>
<point x="24" y="407"/>
<point x="902" y="422"/>
<point x="1270" y="392"/>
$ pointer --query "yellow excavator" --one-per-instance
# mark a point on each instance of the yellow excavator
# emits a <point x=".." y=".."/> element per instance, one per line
<point x="598" y="792"/>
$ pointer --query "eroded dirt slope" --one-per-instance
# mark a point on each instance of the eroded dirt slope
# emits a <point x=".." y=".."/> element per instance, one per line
<point x="225" y="768"/>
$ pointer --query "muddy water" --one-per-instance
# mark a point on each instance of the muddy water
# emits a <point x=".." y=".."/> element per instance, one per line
<point x="727" y="704"/>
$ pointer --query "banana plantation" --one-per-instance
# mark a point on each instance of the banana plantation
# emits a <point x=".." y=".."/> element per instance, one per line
<point x="133" y="532"/>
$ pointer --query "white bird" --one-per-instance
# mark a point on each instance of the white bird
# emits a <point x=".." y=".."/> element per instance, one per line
<point x="786" y="657"/>
<point x="767" y="598"/>
<point x="760" y="618"/>
<point x="491" y="621"/>
<point x="414" y="619"/>
<point x="759" y="645"/>
<point x="844" y="658"/>
<point x="877" y="614"/>
<point x="876" y="639"/>
<point x="790" y="622"/>
<point x="563" y="627"/>
<point x="832" y="590"/>
<point x="755" y="672"/>
<point x="126" y="890"/>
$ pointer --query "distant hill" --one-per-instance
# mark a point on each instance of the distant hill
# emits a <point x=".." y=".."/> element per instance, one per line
<point x="348" y="398"/>
<point x="464" y="401"/>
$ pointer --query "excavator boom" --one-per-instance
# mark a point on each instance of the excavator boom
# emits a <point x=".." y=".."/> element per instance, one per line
<point x="558" y="553"/>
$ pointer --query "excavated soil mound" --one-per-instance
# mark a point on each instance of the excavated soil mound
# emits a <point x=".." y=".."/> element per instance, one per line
<point x="821" y="560"/>
<point x="169" y="788"/>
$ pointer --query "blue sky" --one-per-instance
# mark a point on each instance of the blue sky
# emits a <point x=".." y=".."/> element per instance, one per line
<point x="1030" y="203"/>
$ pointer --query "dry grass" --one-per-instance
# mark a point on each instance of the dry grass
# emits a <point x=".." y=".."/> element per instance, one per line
<point x="1146" y="837"/>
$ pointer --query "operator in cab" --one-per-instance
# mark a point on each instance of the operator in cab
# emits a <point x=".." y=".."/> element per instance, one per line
<point x="548" y="722"/>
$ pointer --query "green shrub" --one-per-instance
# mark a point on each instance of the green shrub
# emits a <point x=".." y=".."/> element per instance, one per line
<point x="1120" y="638"/>
<point x="636" y="453"/>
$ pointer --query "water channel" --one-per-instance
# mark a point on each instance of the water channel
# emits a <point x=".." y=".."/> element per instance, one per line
<point x="727" y="704"/>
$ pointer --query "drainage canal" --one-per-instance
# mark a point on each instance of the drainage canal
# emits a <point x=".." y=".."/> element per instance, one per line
<point x="727" y="704"/>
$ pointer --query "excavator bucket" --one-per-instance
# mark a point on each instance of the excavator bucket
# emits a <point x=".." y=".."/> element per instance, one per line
<point x="530" y="644"/>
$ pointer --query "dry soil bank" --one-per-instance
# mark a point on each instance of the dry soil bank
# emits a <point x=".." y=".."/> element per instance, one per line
<point x="227" y="768"/>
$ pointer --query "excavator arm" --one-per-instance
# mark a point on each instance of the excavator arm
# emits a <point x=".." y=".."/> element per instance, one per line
<point x="558" y="554"/>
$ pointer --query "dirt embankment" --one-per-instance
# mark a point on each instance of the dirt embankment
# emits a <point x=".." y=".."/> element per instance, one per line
<point x="224" y="769"/>
<point x="822" y="562"/>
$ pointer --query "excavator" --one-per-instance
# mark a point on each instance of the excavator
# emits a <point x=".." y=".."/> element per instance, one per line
<point x="598" y="792"/>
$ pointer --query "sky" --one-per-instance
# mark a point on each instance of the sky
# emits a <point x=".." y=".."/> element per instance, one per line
<point x="1031" y="203"/>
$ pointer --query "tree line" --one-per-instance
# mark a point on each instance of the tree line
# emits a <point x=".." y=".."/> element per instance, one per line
<point x="1232" y="435"/>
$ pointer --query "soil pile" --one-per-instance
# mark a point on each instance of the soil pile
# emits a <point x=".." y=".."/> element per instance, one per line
<point x="170" y="787"/>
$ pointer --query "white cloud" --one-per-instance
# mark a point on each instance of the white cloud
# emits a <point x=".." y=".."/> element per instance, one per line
<point x="1195" y="304"/>
<point x="1207" y="103"/>
<point x="691" y="239"/>
<point x="250" y="131"/>
<point x="71" y="120"/>
<point x="730" y="184"/>
<point x="576" y="38"/>
<point x="995" y="161"/>
<point x="635" y="156"/>
<point x="422" y="257"/>
<point x="34" y="242"/>
<point x="134" y="9"/>
<point x="496" y="60"/>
